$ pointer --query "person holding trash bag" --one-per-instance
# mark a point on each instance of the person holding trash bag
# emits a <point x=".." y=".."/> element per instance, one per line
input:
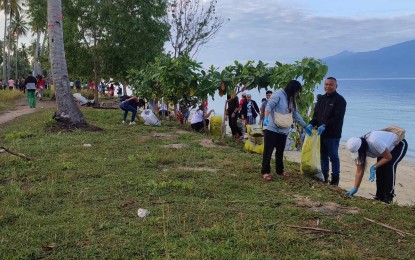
<point x="389" y="147"/>
<point x="328" y="116"/>
<point x="280" y="105"/>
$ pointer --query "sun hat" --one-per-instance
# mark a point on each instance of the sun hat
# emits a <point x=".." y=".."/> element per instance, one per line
<point x="353" y="145"/>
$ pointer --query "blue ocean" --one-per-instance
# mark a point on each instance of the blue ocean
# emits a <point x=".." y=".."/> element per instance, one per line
<point x="371" y="104"/>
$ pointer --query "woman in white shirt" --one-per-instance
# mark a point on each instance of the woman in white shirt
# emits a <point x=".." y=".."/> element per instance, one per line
<point x="198" y="117"/>
<point x="389" y="150"/>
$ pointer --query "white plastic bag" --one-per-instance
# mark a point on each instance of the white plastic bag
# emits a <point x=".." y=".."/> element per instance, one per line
<point x="150" y="118"/>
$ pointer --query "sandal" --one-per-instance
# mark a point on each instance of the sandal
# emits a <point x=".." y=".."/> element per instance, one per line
<point x="266" y="177"/>
<point x="284" y="175"/>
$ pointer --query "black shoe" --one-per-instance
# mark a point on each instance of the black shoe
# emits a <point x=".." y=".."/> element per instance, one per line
<point x="335" y="181"/>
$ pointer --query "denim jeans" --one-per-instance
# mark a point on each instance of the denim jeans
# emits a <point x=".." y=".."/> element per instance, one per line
<point x="329" y="149"/>
<point x="127" y="107"/>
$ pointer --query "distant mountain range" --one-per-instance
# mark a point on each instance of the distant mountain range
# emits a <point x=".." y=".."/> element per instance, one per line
<point x="396" y="61"/>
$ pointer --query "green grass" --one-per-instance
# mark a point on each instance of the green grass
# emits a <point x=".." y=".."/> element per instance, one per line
<point x="204" y="203"/>
<point x="9" y="98"/>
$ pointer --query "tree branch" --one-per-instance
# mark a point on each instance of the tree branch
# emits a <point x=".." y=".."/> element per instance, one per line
<point x="16" y="154"/>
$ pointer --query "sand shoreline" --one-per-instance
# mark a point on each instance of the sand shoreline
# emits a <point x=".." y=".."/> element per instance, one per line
<point x="405" y="177"/>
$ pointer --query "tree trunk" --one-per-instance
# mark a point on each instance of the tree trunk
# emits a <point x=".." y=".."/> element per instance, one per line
<point x="17" y="47"/>
<point x="4" y="41"/>
<point x="36" y="70"/>
<point x="9" y="42"/>
<point x="67" y="112"/>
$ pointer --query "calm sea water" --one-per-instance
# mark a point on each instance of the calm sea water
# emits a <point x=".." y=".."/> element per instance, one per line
<point x="371" y="104"/>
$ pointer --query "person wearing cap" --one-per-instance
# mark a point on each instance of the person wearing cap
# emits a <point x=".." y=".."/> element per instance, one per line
<point x="328" y="117"/>
<point x="389" y="150"/>
<point x="275" y="137"/>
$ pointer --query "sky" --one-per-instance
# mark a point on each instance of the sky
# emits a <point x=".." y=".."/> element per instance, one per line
<point x="288" y="30"/>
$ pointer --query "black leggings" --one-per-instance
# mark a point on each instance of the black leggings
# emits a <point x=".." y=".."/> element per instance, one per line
<point x="273" y="140"/>
<point x="386" y="174"/>
<point x="233" y="124"/>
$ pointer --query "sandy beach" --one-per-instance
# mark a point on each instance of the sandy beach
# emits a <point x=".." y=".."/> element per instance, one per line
<point x="405" y="177"/>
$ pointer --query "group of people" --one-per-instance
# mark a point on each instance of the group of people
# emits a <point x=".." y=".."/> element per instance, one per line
<point x="34" y="86"/>
<point x="19" y="84"/>
<point x="105" y="89"/>
<point x="389" y="147"/>
<point x="277" y="114"/>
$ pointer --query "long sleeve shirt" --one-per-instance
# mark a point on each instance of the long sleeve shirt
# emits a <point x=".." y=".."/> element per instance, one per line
<point x="330" y="110"/>
<point x="279" y="103"/>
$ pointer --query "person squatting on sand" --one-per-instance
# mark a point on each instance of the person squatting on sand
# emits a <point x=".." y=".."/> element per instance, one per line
<point x="389" y="149"/>
<point x="275" y="136"/>
<point x="328" y="116"/>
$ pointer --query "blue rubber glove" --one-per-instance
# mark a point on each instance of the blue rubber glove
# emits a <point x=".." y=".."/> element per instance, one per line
<point x="352" y="192"/>
<point x="309" y="130"/>
<point x="321" y="129"/>
<point x="372" y="176"/>
<point x="265" y="122"/>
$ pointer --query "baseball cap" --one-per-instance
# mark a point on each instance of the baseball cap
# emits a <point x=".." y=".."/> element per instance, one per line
<point x="353" y="145"/>
<point x="244" y="94"/>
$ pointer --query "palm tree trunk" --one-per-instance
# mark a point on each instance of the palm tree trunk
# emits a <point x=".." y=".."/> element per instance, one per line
<point x="17" y="46"/>
<point x="68" y="112"/>
<point x="4" y="41"/>
<point x="9" y="41"/>
<point x="36" y="55"/>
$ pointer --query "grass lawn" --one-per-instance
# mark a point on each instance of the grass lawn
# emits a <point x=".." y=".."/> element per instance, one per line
<point x="74" y="201"/>
<point x="9" y="98"/>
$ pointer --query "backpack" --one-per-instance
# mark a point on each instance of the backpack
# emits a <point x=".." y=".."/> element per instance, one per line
<point x="123" y="98"/>
<point x="397" y="130"/>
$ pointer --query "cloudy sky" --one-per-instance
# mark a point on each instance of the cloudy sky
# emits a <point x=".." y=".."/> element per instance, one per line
<point x="288" y="30"/>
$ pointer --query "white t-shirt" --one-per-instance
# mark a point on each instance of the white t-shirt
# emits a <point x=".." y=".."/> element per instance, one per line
<point x="378" y="141"/>
<point x="197" y="117"/>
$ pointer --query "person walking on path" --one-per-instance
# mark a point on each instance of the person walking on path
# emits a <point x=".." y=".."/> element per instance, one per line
<point x="30" y="84"/>
<point x="328" y="117"/>
<point x="11" y="84"/>
<point x="275" y="137"/>
<point x="40" y="86"/>
<point x="389" y="149"/>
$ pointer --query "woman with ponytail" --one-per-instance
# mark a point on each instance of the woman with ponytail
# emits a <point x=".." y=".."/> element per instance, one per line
<point x="389" y="149"/>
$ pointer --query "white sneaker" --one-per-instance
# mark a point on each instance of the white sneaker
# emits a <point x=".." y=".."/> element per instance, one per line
<point x="132" y="123"/>
<point x="123" y="122"/>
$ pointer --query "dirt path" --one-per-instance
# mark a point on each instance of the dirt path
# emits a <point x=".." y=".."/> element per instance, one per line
<point x="22" y="108"/>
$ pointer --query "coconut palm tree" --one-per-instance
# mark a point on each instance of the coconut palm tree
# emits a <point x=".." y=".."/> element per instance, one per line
<point x="68" y="112"/>
<point x="18" y="27"/>
<point x="38" y="24"/>
<point x="10" y="8"/>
